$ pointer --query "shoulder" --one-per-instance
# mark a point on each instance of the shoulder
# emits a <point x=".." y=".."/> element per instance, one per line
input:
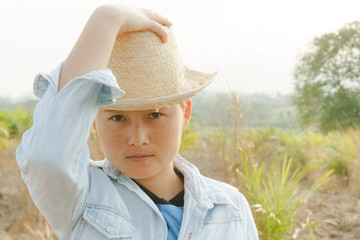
<point x="223" y="192"/>
<point x="216" y="185"/>
<point x="218" y="192"/>
<point x="230" y="204"/>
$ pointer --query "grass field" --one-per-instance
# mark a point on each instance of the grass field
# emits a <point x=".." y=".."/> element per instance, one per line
<point x="300" y="184"/>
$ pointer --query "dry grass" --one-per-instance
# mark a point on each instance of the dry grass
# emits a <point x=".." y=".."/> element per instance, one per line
<point x="354" y="176"/>
<point x="19" y="218"/>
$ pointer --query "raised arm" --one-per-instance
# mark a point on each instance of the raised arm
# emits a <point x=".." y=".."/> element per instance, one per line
<point x="53" y="155"/>
<point x="93" y="48"/>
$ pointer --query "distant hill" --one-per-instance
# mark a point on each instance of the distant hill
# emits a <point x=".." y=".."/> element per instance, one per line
<point x="210" y="109"/>
<point x="257" y="110"/>
<point x="27" y="104"/>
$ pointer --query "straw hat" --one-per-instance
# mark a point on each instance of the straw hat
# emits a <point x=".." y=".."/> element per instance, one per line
<point x="152" y="73"/>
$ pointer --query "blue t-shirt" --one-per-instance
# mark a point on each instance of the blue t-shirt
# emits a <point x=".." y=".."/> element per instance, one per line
<point x="171" y="210"/>
<point x="173" y="217"/>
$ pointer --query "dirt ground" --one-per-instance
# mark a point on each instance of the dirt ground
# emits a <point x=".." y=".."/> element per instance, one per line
<point x="336" y="203"/>
<point x="334" y="208"/>
<point x="342" y="208"/>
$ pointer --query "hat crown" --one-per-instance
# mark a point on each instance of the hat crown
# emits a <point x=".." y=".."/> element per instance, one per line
<point x="152" y="73"/>
<point x="145" y="67"/>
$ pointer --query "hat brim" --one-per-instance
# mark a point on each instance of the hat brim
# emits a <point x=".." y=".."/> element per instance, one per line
<point x="194" y="83"/>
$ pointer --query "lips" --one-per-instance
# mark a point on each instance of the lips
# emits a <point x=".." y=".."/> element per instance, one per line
<point x="139" y="157"/>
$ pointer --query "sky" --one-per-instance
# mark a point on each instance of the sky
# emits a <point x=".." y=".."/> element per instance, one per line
<point x="253" y="45"/>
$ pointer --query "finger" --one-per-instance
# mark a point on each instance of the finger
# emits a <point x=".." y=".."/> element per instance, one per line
<point x="157" y="17"/>
<point x="163" y="20"/>
<point x="159" y="30"/>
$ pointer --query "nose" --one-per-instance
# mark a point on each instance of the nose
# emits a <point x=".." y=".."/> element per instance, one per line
<point x="138" y="136"/>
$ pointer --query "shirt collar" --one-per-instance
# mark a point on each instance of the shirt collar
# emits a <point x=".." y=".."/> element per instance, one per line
<point x="206" y="191"/>
<point x="193" y="181"/>
<point x="107" y="168"/>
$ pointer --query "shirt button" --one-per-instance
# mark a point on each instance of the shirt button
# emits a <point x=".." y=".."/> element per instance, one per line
<point x="109" y="229"/>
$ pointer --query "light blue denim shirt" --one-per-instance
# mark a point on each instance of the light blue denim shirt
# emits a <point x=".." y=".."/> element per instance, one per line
<point x="87" y="200"/>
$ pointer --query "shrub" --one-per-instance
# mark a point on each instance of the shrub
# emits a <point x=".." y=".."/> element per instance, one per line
<point x="189" y="138"/>
<point x="15" y="122"/>
<point x="272" y="192"/>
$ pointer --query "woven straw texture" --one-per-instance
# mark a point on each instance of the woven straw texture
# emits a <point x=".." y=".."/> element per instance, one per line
<point x="151" y="72"/>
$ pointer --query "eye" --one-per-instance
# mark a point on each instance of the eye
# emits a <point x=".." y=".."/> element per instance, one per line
<point x="118" y="118"/>
<point x="155" y="115"/>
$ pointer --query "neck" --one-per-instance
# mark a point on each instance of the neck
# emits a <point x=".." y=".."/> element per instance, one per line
<point x="165" y="184"/>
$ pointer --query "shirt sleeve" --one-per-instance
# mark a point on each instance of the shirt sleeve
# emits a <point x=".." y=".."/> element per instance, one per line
<point x="53" y="154"/>
<point x="249" y="223"/>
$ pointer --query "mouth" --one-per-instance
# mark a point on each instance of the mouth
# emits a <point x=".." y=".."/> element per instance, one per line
<point x="139" y="157"/>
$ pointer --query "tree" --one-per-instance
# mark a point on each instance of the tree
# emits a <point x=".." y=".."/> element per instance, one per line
<point x="327" y="80"/>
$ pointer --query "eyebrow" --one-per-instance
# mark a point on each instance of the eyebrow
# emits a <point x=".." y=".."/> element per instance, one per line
<point x="122" y="111"/>
<point x="149" y="110"/>
<point x="111" y="111"/>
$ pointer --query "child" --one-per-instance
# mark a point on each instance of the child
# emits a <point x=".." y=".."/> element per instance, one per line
<point x="143" y="189"/>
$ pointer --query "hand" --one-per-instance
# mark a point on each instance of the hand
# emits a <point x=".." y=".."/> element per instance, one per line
<point x="138" y="19"/>
<point x="93" y="48"/>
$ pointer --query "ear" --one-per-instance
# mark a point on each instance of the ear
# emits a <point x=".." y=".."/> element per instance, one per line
<point x="94" y="130"/>
<point x="187" y="114"/>
<point x="94" y="125"/>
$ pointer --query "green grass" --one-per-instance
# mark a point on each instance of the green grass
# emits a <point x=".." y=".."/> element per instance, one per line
<point x="272" y="191"/>
<point x="13" y="124"/>
<point x="271" y="163"/>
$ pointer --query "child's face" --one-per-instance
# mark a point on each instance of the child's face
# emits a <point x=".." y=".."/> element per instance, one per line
<point x="142" y="144"/>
